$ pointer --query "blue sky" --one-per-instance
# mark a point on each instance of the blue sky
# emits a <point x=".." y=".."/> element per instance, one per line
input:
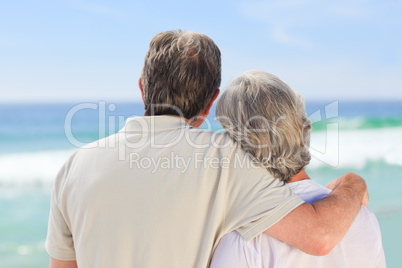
<point x="73" y="50"/>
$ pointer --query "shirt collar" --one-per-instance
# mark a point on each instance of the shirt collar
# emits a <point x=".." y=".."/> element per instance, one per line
<point x="140" y="124"/>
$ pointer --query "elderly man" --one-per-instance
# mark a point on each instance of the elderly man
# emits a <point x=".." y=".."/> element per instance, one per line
<point x="161" y="192"/>
<point x="270" y="102"/>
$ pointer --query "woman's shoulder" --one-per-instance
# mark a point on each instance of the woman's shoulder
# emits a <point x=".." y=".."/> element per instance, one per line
<point x="235" y="252"/>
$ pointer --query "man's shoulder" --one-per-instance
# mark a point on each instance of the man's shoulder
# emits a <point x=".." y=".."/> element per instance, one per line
<point x="209" y="142"/>
<point x="215" y="137"/>
<point x="90" y="151"/>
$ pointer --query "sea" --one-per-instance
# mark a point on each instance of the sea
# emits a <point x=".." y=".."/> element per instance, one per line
<point x="37" y="138"/>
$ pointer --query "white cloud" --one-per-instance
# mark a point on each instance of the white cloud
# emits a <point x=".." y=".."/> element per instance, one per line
<point x="285" y="18"/>
<point x="324" y="79"/>
<point x="283" y="37"/>
<point x="343" y="47"/>
<point x="342" y="80"/>
<point x="351" y="10"/>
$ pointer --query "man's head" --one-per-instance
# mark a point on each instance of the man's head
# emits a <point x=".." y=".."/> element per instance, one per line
<point x="181" y="74"/>
<point x="269" y="120"/>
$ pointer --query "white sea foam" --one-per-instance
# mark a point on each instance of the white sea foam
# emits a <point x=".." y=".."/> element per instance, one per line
<point x="31" y="168"/>
<point x="346" y="148"/>
<point x="354" y="148"/>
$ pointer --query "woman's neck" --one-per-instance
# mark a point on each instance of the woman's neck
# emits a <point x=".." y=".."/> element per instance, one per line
<point x="302" y="175"/>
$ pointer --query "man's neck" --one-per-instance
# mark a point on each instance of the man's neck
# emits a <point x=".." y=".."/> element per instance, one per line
<point x="195" y="123"/>
<point x="302" y="175"/>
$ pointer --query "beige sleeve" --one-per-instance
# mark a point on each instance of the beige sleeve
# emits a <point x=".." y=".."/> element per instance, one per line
<point x="256" y="200"/>
<point x="59" y="242"/>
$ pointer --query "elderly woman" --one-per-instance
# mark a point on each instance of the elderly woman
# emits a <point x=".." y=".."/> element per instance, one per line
<point x="268" y="119"/>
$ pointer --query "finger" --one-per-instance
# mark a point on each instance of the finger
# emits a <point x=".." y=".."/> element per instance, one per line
<point x="365" y="199"/>
<point x="333" y="184"/>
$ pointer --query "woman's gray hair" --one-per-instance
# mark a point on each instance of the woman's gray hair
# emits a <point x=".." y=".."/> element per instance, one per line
<point x="268" y="119"/>
<point x="182" y="71"/>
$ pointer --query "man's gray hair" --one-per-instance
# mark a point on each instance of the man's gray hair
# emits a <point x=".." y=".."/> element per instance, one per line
<point x="181" y="73"/>
<point x="268" y="119"/>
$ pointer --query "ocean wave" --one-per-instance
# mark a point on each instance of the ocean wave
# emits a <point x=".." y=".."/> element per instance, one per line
<point x="334" y="148"/>
<point x="358" y="123"/>
<point x="33" y="168"/>
<point x="356" y="148"/>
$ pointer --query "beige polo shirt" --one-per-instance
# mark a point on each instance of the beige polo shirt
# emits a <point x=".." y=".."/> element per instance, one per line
<point x="159" y="193"/>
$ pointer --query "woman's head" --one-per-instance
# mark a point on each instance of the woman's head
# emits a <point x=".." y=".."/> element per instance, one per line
<point x="268" y="119"/>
